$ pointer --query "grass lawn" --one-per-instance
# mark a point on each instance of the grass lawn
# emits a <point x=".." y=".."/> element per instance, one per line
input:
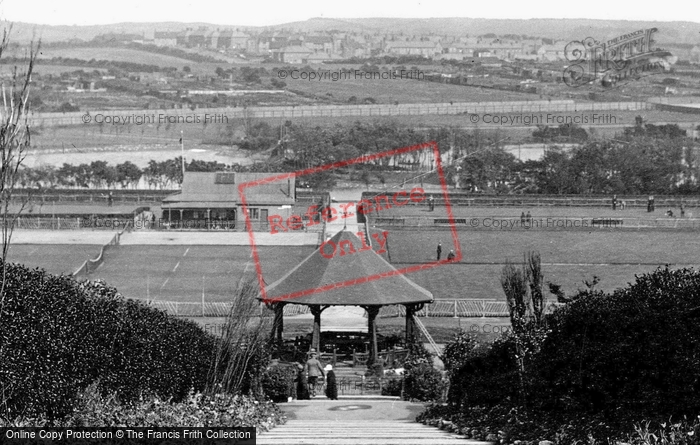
<point x="190" y="273"/>
<point x="54" y="258"/>
<point x="126" y="55"/>
<point x="568" y="257"/>
<point x="402" y="91"/>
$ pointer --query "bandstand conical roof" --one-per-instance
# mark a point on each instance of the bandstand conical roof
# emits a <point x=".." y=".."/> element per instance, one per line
<point x="359" y="278"/>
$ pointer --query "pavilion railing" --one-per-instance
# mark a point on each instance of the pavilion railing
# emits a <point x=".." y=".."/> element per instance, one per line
<point x="457" y="308"/>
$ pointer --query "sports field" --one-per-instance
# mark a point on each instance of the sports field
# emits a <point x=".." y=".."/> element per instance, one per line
<point x="188" y="273"/>
<point x="183" y="266"/>
<point x="570" y="256"/>
<point x="54" y="258"/>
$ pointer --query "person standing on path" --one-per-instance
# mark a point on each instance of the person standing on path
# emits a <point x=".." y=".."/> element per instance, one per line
<point x="302" y="389"/>
<point x="439" y="251"/>
<point x="331" y="385"/>
<point x="314" y="370"/>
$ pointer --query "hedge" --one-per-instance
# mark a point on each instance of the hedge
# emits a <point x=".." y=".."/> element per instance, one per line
<point x="57" y="336"/>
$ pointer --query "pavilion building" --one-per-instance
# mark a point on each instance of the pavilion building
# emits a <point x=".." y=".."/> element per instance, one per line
<point x="213" y="198"/>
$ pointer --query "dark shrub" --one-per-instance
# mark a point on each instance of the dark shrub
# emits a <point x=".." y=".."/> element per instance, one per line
<point x="58" y="336"/>
<point x="488" y="376"/>
<point x="392" y="387"/>
<point x="634" y="349"/>
<point x="421" y="381"/>
<point x="458" y="350"/>
<point x="278" y="382"/>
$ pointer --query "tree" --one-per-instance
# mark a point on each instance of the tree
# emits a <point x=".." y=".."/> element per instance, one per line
<point x="15" y="140"/>
<point x="489" y="168"/>
<point x="525" y="300"/>
<point x="66" y="175"/>
<point x="102" y="174"/>
<point x="128" y="173"/>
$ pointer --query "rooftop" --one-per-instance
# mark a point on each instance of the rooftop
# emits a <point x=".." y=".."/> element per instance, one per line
<point x="342" y="279"/>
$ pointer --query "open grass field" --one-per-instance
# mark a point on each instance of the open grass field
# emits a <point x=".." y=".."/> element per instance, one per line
<point x="569" y="257"/>
<point x="123" y="55"/>
<point x="96" y="135"/>
<point x="54" y="258"/>
<point x="483" y="213"/>
<point x="200" y="136"/>
<point x="400" y="90"/>
<point x="184" y="273"/>
<point x="55" y="70"/>
<point x="624" y="119"/>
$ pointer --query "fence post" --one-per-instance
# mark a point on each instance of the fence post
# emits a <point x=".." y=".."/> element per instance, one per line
<point x="455" y="309"/>
<point x="426" y="311"/>
<point x="483" y="308"/>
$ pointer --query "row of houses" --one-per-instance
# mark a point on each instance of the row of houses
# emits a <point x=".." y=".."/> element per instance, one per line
<point x="298" y="48"/>
<point x="291" y="47"/>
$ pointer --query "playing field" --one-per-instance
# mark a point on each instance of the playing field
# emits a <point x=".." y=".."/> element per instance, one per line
<point x="54" y="258"/>
<point x="188" y="273"/>
<point x="568" y="257"/>
<point x="184" y="266"/>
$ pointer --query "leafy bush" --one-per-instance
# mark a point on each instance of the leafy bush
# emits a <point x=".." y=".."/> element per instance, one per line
<point x="458" y="350"/>
<point x="636" y="348"/>
<point x="392" y="387"/>
<point x="58" y="336"/>
<point x="599" y="364"/>
<point x="278" y="382"/>
<point x="93" y="409"/>
<point x="487" y="377"/>
<point x="421" y="381"/>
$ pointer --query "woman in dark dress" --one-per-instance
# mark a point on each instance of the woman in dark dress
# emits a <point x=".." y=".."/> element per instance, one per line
<point x="331" y="385"/>
<point x="302" y="387"/>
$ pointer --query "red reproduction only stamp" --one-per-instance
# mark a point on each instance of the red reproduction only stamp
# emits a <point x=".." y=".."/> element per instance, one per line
<point x="329" y="250"/>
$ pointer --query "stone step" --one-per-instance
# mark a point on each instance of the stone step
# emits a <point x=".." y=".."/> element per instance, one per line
<point x="309" y="432"/>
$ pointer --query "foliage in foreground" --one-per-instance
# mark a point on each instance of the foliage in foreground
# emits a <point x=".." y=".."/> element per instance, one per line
<point x="58" y="336"/>
<point x="422" y="382"/>
<point x="196" y="410"/>
<point x="605" y="363"/>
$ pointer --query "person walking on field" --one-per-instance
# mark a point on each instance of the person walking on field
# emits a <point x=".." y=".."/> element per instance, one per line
<point x="313" y="370"/>
<point x="439" y="251"/>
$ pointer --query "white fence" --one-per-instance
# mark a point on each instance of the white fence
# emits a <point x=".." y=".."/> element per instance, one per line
<point x="439" y="308"/>
<point x="536" y="106"/>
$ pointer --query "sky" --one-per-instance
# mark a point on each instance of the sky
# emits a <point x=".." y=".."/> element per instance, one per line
<point x="274" y="12"/>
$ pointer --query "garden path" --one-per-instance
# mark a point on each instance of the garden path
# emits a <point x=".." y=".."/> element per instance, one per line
<point x="357" y="421"/>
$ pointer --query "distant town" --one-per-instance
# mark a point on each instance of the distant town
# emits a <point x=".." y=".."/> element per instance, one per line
<point x="207" y="66"/>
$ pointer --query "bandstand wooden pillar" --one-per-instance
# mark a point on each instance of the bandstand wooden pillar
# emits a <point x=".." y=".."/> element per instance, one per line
<point x="372" y="312"/>
<point x="316" y="310"/>
<point x="411" y="310"/>
<point x="278" y="323"/>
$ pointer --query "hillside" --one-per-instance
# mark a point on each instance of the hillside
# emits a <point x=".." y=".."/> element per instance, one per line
<point x="565" y="29"/>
